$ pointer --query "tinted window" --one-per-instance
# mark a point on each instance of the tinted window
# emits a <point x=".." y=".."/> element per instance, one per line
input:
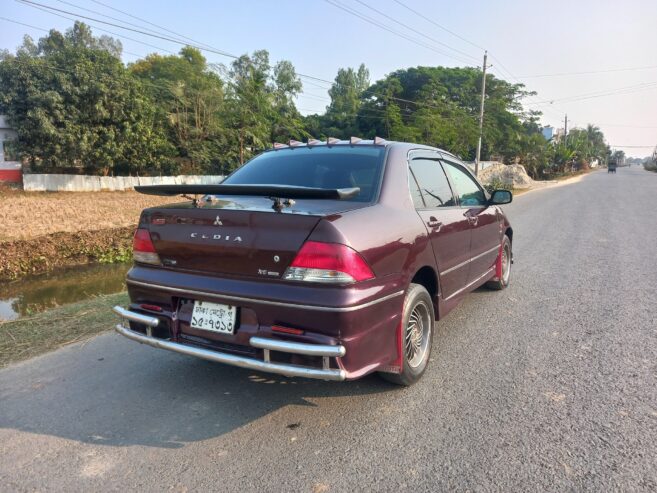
<point x="468" y="191"/>
<point x="430" y="187"/>
<point x="317" y="167"/>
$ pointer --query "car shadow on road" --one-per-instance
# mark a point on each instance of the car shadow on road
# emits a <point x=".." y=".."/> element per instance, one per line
<point x="158" y="399"/>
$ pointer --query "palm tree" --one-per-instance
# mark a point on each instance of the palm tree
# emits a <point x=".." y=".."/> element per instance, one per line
<point x="596" y="142"/>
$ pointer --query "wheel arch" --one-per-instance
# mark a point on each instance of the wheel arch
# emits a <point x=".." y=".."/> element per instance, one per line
<point x="509" y="232"/>
<point x="427" y="276"/>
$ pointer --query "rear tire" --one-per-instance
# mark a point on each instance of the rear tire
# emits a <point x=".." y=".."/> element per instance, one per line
<point x="417" y="322"/>
<point x="506" y="259"/>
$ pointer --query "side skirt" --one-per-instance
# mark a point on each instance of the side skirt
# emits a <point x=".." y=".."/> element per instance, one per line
<point x="446" y="305"/>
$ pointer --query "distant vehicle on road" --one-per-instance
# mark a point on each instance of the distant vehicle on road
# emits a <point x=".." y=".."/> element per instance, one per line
<point x="611" y="167"/>
<point x="327" y="260"/>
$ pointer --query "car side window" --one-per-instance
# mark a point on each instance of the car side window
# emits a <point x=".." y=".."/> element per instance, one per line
<point x="429" y="185"/>
<point x="468" y="190"/>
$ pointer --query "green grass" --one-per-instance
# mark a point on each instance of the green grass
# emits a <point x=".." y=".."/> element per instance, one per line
<point x="52" y="329"/>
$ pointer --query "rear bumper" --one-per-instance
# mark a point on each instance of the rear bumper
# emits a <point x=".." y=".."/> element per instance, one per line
<point x="267" y="345"/>
<point x="363" y="317"/>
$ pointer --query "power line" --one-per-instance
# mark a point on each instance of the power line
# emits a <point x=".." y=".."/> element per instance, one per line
<point x="567" y="74"/>
<point x="105" y="15"/>
<point x="369" y="20"/>
<point x="625" y="126"/>
<point x="414" y="30"/>
<point x="439" y="26"/>
<point x="633" y="147"/>
<point x="47" y="30"/>
<point x="431" y="21"/>
<point x="199" y="45"/>
<point x="23" y="24"/>
<point x="165" y="38"/>
<point x="48" y="9"/>
<point x="123" y="36"/>
<point x="162" y="28"/>
<point x="502" y="67"/>
<point x="610" y="92"/>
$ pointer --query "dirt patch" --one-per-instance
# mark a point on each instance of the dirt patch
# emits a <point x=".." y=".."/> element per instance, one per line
<point x="25" y="215"/>
<point x="19" y="258"/>
<point x="513" y="175"/>
<point x="43" y="231"/>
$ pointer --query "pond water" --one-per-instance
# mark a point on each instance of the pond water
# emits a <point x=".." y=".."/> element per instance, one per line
<point x="36" y="294"/>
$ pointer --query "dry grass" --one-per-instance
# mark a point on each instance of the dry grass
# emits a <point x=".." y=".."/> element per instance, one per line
<point x="31" y="336"/>
<point x="25" y="215"/>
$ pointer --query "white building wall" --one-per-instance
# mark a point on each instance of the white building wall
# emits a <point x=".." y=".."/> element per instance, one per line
<point x="85" y="183"/>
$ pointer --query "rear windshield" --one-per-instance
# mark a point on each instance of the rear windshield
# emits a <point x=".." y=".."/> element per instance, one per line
<point x="317" y="167"/>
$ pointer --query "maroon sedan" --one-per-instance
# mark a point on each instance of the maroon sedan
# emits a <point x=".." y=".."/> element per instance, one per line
<point x="326" y="260"/>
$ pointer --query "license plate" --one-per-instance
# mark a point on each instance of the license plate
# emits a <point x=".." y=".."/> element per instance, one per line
<point x="214" y="317"/>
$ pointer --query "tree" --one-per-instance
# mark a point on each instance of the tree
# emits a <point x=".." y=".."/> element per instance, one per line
<point x="260" y="104"/>
<point x="73" y="104"/>
<point x="346" y="95"/>
<point x="287" y="122"/>
<point x="190" y="105"/>
<point x="250" y="108"/>
<point x="440" y="106"/>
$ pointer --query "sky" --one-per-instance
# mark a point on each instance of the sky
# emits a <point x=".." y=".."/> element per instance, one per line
<point x="533" y="42"/>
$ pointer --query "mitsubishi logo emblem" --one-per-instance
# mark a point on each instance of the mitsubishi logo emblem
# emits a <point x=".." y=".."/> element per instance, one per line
<point x="217" y="222"/>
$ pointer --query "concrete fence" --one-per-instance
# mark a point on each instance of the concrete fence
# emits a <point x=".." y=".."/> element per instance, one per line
<point x="83" y="183"/>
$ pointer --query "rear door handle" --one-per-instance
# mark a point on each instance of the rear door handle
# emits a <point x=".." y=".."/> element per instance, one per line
<point x="434" y="223"/>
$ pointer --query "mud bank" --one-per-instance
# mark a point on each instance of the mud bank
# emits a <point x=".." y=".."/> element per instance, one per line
<point x="19" y="258"/>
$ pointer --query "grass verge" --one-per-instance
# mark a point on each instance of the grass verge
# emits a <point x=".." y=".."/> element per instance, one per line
<point x="569" y="175"/>
<point x="52" y="329"/>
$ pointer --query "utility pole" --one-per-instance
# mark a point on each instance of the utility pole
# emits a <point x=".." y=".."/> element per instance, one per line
<point x="565" y="129"/>
<point x="481" y="112"/>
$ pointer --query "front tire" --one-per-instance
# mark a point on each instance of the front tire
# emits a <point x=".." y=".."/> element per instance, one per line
<point x="417" y="336"/>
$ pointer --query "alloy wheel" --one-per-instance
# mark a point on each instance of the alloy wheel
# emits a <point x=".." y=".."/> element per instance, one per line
<point x="417" y="334"/>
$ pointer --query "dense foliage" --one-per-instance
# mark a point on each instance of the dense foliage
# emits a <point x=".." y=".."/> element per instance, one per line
<point x="75" y="105"/>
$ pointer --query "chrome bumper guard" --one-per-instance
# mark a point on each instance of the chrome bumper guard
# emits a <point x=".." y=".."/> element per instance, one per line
<point x="267" y="345"/>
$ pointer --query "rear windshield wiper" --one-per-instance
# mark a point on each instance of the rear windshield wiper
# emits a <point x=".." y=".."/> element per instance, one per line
<point x="280" y="194"/>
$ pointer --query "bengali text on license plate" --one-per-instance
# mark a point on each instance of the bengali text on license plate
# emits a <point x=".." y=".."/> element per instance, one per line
<point x="214" y="317"/>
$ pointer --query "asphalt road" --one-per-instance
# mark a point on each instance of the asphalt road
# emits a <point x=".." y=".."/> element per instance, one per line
<point x="550" y="385"/>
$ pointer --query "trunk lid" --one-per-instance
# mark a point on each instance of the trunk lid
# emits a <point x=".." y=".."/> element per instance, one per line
<point x="240" y="236"/>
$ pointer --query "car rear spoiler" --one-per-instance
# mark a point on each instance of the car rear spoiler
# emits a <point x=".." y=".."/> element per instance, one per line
<point x="272" y="191"/>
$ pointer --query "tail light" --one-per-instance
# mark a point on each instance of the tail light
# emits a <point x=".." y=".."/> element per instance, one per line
<point x="143" y="249"/>
<point x="330" y="263"/>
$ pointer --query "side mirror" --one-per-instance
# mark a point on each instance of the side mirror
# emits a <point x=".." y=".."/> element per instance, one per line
<point x="500" y="197"/>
